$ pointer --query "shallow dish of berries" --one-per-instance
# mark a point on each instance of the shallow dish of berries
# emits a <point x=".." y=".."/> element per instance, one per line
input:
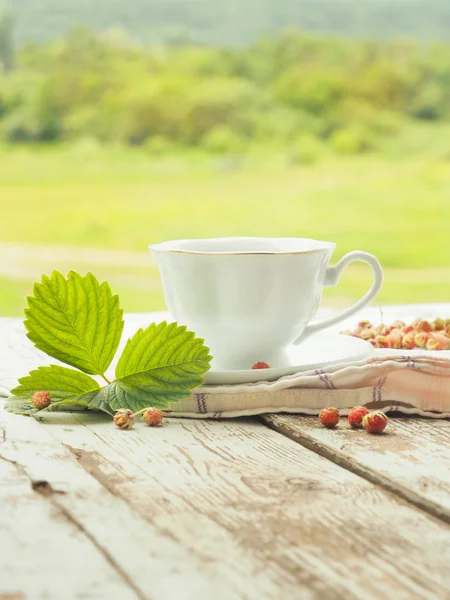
<point x="417" y="335"/>
<point x="316" y="352"/>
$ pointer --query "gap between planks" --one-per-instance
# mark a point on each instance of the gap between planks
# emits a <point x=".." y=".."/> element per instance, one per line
<point x="400" y="477"/>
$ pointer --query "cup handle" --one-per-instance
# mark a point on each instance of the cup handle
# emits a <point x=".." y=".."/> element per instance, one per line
<point x="332" y="279"/>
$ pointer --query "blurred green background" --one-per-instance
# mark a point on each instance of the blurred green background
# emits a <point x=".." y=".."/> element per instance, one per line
<point x="114" y="135"/>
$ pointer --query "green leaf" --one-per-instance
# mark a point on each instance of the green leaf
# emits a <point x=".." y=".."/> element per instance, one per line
<point x="158" y="366"/>
<point x="100" y="399"/>
<point x="68" y="388"/>
<point x="62" y="383"/>
<point x="157" y="388"/>
<point x="75" y="320"/>
<point x="23" y="406"/>
<point x="164" y="345"/>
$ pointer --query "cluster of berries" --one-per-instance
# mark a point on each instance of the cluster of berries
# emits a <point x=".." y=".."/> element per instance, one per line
<point x="126" y="418"/>
<point x="419" y="334"/>
<point x="123" y="419"/>
<point x="358" y="417"/>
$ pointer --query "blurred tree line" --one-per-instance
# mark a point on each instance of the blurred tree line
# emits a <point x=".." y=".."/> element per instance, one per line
<point x="296" y="88"/>
<point x="233" y="22"/>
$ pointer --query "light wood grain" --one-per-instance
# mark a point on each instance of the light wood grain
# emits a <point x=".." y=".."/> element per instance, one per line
<point x="43" y="553"/>
<point x="412" y="458"/>
<point x="140" y="552"/>
<point x="265" y="517"/>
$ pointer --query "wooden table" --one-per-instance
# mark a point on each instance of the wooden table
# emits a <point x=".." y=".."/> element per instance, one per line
<point x="267" y="508"/>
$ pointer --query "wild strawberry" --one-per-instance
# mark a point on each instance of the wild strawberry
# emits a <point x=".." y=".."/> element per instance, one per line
<point x="124" y="418"/>
<point x="261" y="365"/>
<point x="375" y="422"/>
<point x="437" y="342"/>
<point x="395" y="338"/>
<point x="408" y="341"/>
<point x="367" y="334"/>
<point x="421" y="339"/>
<point x="438" y="324"/>
<point x="422" y="325"/>
<point x="329" y="417"/>
<point x="384" y="329"/>
<point x="152" y="416"/>
<point x="355" y="416"/>
<point x="41" y="400"/>
<point x="383" y="341"/>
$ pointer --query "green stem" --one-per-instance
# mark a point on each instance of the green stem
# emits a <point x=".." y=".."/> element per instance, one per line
<point x="164" y="412"/>
<point x="106" y="379"/>
<point x="139" y="412"/>
<point x="52" y="405"/>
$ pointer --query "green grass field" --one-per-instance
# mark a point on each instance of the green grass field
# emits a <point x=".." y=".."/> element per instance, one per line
<point x="88" y="208"/>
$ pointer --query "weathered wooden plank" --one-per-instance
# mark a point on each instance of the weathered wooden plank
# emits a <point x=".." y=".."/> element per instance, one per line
<point x="412" y="459"/>
<point x="263" y="514"/>
<point x="43" y="553"/>
<point x="152" y="561"/>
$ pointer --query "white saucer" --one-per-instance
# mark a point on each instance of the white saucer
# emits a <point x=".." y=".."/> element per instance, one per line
<point x="316" y="352"/>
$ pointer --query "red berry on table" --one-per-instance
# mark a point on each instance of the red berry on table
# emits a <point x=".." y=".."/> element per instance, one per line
<point x="41" y="400"/>
<point x="124" y="418"/>
<point x="355" y="416"/>
<point x="261" y="365"/>
<point x="375" y="422"/>
<point x="329" y="417"/>
<point x="153" y="417"/>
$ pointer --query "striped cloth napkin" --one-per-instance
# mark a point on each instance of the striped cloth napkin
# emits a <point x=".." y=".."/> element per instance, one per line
<point x="412" y="382"/>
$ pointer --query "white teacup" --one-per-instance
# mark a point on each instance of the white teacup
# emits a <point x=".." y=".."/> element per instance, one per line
<point x="251" y="298"/>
